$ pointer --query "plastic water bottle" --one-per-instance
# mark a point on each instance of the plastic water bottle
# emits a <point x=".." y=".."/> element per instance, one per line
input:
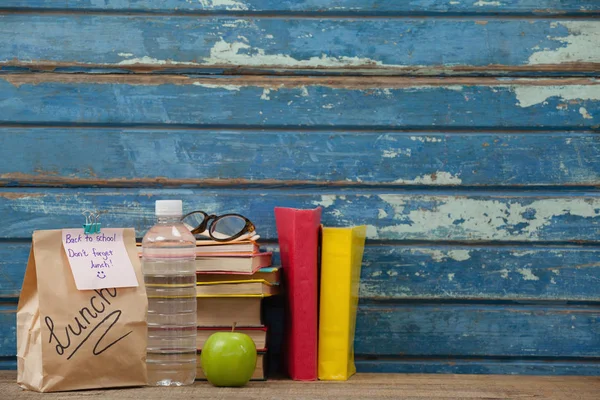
<point x="168" y="253"/>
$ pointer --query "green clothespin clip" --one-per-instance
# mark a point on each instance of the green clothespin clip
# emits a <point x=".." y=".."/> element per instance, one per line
<point x="91" y="225"/>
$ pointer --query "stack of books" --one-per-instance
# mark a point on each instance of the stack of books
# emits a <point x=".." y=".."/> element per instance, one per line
<point x="232" y="280"/>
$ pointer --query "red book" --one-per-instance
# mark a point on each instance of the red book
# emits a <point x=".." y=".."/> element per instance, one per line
<point x="298" y="232"/>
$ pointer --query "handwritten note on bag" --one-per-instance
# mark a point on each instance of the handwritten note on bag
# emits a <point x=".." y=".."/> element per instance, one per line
<point x="98" y="261"/>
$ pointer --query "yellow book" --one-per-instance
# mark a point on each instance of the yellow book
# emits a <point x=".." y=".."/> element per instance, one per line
<point x="341" y="259"/>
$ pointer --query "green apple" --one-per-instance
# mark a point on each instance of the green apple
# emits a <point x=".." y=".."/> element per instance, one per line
<point x="228" y="358"/>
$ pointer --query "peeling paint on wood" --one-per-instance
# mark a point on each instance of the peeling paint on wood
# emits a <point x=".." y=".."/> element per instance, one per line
<point x="579" y="45"/>
<point x="528" y="96"/>
<point x="150" y="157"/>
<point x="473" y="330"/>
<point x="493" y="220"/>
<point x="358" y="102"/>
<point x="229" y="5"/>
<point x="416" y="216"/>
<point x="435" y="178"/>
<point x="19" y="196"/>
<point x="352" y="7"/>
<point x="445" y="286"/>
<point x="378" y="85"/>
<point x="486" y="219"/>
<point x="418" y="46"/>
<point x="482" y="3"/>
<point x="444" y="272"/>
<point x="459" y="330"/>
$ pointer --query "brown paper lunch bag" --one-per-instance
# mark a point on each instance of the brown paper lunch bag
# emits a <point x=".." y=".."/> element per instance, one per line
<point x="69" y="339"/>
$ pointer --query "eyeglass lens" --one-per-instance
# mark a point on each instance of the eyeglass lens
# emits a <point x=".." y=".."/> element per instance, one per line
<point x="228" y="226"/>
<point x="193" y="220"/>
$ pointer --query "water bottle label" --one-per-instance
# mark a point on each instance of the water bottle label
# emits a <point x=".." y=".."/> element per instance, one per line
<point x="100" y="260"/>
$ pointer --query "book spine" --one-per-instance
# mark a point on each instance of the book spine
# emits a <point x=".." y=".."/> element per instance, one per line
<point x="298" y="232"/>
<point x="341" y="258"/>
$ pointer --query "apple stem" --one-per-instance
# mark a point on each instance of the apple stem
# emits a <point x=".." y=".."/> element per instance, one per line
<point x="233" y="327"/>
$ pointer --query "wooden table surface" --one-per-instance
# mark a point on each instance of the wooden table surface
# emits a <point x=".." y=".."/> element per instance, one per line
<point x="361" y="386"/>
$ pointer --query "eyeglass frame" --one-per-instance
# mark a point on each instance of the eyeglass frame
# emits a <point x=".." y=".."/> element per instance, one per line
<point x="204" y="225"/>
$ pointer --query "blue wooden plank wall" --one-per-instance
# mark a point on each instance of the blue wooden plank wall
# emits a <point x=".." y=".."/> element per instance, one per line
<point x="465" y="134"/>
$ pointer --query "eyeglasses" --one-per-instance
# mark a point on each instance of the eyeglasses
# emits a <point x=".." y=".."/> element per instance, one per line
<point x="221" y="228"/>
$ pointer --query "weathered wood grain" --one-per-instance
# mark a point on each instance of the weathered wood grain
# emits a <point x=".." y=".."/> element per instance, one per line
<point x="390" y="215"/>
<point x="414" y="45"/>
<point x="8" y="330"/>
<point x="485" y="273"/>
<point x="415" y="330"/>
<point x="433" y="272"/>
<point x="479" y="366"/>
<point x="409" y="157"/>
<point x="477" y="330"/>
<point x="316" y="102"/>
<point x="145" y="157"/>
<point x="13" y="262"/>
<point x="360" y="7"/>
<point x="8" y="363"/>
<point x="363" y="386"/>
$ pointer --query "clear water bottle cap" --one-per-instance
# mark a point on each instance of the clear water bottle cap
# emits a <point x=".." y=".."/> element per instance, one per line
<point x="169" y="208"/>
